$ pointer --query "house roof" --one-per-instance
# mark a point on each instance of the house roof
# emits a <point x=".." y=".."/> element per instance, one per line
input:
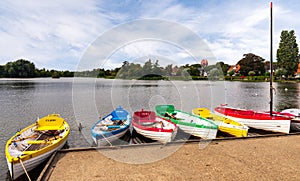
<point x="235" y="68"/>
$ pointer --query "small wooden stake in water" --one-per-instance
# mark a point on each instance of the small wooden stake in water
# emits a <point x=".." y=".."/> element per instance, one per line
<point x="79" y="127"/>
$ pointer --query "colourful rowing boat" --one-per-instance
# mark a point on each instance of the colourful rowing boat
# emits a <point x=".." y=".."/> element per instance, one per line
<point x="188" y="122"/>
<point x="294" y="114"/>
<point x="111" y="127"/>
<point x="225" y="125"/>
<point x="255" y="119"/>
<point x="154" y="127"/>
<point x="35" y="143"/>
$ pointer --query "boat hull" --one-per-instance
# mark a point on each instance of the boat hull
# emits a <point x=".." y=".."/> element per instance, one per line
<point x="199" y="132"/>
<point x="295" y="125"/>
<point x="109" y="138"/>
<point x="162" y="137"/>
<point x="16" y="170"/>
<point x="233" y="130"/>
<point x="295" y="122"/>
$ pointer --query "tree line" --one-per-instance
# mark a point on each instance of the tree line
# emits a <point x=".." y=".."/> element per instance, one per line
<point x="26" y="69"/>
<point x="153" y="71"/>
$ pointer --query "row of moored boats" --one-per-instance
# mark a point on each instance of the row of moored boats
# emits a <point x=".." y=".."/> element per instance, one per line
<point x="35" y="143"/>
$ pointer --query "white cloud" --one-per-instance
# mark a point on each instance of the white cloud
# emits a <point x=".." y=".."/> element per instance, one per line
<point x="49" y="33"/>
<point x="56" y="34"/>
<point x="145" y="38"/>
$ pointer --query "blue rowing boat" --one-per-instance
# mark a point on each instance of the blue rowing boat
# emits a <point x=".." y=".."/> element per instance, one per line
<point x="111" y="127"/>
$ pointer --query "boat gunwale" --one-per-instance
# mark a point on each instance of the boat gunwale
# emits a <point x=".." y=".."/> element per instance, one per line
<point x="253" y="115"/>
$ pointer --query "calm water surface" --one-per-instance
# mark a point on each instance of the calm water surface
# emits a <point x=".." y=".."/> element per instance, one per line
<point x="84" y="100"/>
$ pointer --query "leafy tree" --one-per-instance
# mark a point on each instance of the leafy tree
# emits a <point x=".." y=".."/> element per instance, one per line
<point x="215" y="74"/>
<point x="147" y="68"/>
<point x="67" y="74"/>
<point x="252" y="62"/>
<point x="1" y="71"/>
<point x="223" y="66"/>
<point x="267" y="74"/>
<point x="287" y="53"/>
<point x="281" y="73"/>
<point x="231" y="73"/>
<point x="19" y="69"/>
<point x="209" y="67"/>
<point x="123" y="72"/>
<point x="194" y="70"/>
<point x="127" y="71"/>
<point x="101" y="73"/>
<point x="55" y="74"/>
<point x="156" y="69"/>
<point x="183" y="73"/>
<point x="169" y="69"/>
<point x="134" y="71"/>
<point x="115" y="71"/>
<point x="251" y="73"/>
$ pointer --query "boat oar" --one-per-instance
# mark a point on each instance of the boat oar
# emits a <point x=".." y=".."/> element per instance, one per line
<point x="24" y="169"/>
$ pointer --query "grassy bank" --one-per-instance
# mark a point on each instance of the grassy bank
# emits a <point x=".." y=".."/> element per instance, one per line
<point x="202" y="78"/>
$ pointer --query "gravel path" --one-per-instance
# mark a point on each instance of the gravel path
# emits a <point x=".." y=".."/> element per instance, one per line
<point x="275" y="158"/>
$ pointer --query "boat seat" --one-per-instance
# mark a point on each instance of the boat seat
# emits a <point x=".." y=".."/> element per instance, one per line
<point x="147" y="123"/>
<point x="28" y="152"/>
<point x="38" y="142"/>
<point x="113" y="126"/>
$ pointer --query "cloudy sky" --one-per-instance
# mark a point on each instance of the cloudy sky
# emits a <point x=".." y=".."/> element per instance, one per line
<point x="64" y="35"/>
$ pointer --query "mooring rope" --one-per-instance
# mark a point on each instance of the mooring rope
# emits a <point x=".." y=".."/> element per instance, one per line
<point x="106" y="139"/>
<point x="273" y="88"/>
<point x="24" y="169"/>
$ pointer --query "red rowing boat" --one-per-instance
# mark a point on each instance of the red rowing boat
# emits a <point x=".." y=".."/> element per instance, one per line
<point x="256" y="119"/>
<point x="154" y="127"/>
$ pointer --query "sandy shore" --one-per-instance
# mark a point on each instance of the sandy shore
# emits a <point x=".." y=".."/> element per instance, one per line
<point x="275" y="158"/>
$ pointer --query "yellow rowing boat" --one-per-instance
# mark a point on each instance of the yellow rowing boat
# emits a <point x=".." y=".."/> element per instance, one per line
<point x="224" y="124"/>
<point x="35" y="143"/>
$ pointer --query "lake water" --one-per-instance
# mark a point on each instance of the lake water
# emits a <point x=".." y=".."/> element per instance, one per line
<point x="84" y="100"/>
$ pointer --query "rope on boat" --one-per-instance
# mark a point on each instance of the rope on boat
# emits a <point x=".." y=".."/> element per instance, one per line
<point x="273" y="88"/>
<point x="106" y="140"/>
<point x="24" y="169"/>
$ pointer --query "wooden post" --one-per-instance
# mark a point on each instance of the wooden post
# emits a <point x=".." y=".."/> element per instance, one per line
<point x="271" y="60"/>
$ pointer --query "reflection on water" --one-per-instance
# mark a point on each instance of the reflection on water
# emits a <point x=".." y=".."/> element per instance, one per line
<point x="248" y="95"/>
<point x="17" y="85"/>
<point x="287" y="95"/>
<point x="84" y="100"/>
<point x="256" y="95"/>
